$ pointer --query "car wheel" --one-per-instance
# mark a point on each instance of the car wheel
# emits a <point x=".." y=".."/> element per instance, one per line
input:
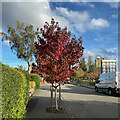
<point x="111" y="91"/>
<point x="96" y="89"/>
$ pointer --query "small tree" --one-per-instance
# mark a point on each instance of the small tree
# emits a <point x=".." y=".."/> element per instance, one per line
<point x="56" y="54"/>
<point x="83" y="64"/>
<point x="20" y="67"/>
<point x="79" y="72"/>
<point x="91" y="66"/>
<point x="22" y="41"/>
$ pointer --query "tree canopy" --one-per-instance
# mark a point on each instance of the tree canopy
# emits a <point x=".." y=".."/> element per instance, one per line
<point x="91" y="66"/>
<point x="21" y="41"/>
<point x="56" y="54"/>
<point x="83" y="64"/>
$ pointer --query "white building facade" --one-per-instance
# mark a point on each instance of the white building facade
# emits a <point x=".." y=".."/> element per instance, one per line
<point x="108" y="66"/>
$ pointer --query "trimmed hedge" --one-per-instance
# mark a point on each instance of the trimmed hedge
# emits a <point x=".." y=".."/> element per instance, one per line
<point x="14" y="93"/>
<point x="32" y="77"/>
<point x="36" y="79"/>
<point x="27" y="75"/>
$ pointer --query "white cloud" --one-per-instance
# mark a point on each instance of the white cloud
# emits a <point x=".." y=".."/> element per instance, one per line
<point x="91" y="5"/>
<point x="114" y="15"/>
<point x="113" y="4"/>
<point x="96" y="23"/>
<point x="6" y="42"/>
<point x="110" y="53"/>
<point x="88" y="53"/>
<point x="73" y="16"/>
<point x="81" y="20"/>
<point x="35" y="13"/>
<point x="97" y="39"/>
<point x="39" y="13"/>
<point x="86" y="4"/>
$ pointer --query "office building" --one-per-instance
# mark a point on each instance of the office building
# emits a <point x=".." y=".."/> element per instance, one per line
<point x="108" y="66"/>
<point x="98" y="64"/>
<point x="104" y="65"/>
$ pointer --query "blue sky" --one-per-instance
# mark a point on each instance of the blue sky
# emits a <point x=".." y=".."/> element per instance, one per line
<point x="96" y="22"/>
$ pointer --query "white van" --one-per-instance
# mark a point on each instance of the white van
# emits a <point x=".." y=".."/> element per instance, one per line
<point x="108" y="82"/>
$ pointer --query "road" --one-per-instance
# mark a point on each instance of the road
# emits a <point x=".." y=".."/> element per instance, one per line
<point x="86" y="103"/>
<point x="80" y="102"/>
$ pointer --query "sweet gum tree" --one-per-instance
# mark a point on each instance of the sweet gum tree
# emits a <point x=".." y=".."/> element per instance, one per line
<point x="57" y="54"/>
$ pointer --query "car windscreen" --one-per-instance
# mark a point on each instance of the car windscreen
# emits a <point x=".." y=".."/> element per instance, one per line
<point x="108" y="76"/>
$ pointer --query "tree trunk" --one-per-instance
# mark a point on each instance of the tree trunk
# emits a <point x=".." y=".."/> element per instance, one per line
<point x="52" y="97"/>
<point x="76" y="76"/>
<point x="59" y="96"/>
<point x="56" y="105"/>
<point x="29" y="67"/>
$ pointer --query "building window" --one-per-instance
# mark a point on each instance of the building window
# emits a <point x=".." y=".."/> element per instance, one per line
<point x="103" y="63"/>
<point x="113" y="70"/>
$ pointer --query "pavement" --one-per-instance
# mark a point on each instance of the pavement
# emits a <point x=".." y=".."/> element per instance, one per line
<point x="87" y="86"/>
<point x="36" y="107"/>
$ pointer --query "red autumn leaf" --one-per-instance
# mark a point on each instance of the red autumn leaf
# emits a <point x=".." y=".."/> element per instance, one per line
<point x="56" y="54"/>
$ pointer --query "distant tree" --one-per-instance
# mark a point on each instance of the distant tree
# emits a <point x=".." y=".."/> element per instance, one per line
<point x="91" y="66"/>
<point x="73" y="75"/>
<point x="79" y="73"/>
<point x="93" y="75"/>
<point x="20" y="67"/>
<point x="83" y="64"/>
<point x="21" y="41"/>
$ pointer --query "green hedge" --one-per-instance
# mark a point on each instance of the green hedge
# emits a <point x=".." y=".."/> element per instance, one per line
<point x="36" y="79"/>
<point x="31" y="77"/>
<point x="27" y="75"/>
<point x="14" y="93"/>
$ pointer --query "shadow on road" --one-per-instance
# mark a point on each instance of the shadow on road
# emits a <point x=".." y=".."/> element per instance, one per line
<point x="92" y="109"/>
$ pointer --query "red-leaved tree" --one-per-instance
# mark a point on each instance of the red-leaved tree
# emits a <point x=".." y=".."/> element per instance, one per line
<point x="57" y="54"/>
<point x="94" y="75"/>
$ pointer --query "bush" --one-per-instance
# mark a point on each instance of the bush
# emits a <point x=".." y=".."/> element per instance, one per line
<point x="29" y="85"/>
<point x="32" y="84"/>
<point x="27" y="75"/>
<point x="32" y="77"/>
<point x="14" y="93"/>
<point x="36" y="79"/>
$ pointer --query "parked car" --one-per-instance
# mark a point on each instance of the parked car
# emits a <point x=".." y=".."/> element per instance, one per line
<point x="108" y="82"/>
<point x="66" y="82"/>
